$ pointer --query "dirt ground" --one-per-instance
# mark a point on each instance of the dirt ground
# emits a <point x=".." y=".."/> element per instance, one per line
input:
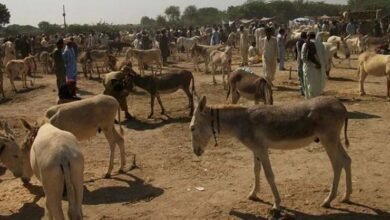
<point x="165" y="186"/>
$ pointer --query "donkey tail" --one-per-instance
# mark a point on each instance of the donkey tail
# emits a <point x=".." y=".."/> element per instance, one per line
<point x="70" y="191"/>
<point x="345" y="132"/>
<point x="263" y="87"/>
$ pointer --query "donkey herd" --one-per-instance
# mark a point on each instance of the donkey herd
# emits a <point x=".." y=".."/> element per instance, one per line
<point x="51" y="150"/>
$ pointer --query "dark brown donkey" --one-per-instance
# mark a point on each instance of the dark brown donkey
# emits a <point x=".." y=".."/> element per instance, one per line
<point x="165" y="84"/>
<point x="249" y="85"/>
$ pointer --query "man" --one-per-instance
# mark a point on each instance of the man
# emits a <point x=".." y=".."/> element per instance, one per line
<point x="74" y="46"/>
<point x="18" y="46"/>
<point x="70" y="61"/>
<point x="252" y="52"/>
<point x="244" y="44"/>
<point x="118" y="86"/>
<point x="215" y="37"/>
<point x="313" y="56"/>
<point x="281" y="41"/>
<point x="298" y="50"/>
<point x="270" y="56"/>
<point x="59" y="65"/>
<point x="351" y="28"/>
<point x="259" y="35"/>
<point x="137" y="42"/>
<point x="164" y="46"/>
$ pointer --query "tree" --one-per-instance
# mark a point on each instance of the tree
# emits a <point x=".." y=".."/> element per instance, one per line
<point x="190" y="15"/>
<point x="48" y="28"/>
<point x="173" y="13"/>
<point x="4" y="15"/>
<point x="147" y="22"/>
<point x="161" y="21"/>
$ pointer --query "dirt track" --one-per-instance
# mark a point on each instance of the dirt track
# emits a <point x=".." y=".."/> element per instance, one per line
<point x="164" y="187"/>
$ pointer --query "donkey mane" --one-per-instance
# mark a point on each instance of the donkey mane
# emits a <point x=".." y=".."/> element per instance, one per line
<point x="227" y="107"/>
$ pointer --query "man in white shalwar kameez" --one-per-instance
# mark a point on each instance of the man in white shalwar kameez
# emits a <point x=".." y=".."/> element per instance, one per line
<point x="260" y="35"/>
<point x="314" y="66"/>
<point x="270" y="56"/>
<point x="244" y="45"/>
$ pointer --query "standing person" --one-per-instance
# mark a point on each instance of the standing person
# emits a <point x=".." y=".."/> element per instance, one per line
<point x="70" y="62"/>
<point x="252" y="52"/>
<point x="215" y="38"/>
<point x="270" y="56"/>
<point x="137" y="42"/>
<point x="313" y="56"/>
<point x="90" y="42"/>
<point x="164" y="46"/>
<point x="59" y="65"/>
<point x="18" y="46"/>
<point x="351" y="28"/>
<point x="281" y="40"/>
<point x="298" y="50"/>
<point x="244" y="45"/>
<point x="74" y="47"/>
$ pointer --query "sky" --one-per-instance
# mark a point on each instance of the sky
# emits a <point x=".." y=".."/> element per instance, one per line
<point x="111" y="11"/>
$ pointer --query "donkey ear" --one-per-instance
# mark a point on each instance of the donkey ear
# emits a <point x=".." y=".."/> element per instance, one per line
<point x="26" y="124"/>
<point x="202" y="103"/>
<point x="8" y="131"/>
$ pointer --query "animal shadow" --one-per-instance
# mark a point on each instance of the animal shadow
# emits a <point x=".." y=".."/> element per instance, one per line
<point x="341" y="79"/>
<point x="137" y="191"/>
<point x="345" y="213"/>
<point x="29" y="210"/>
<point x="141" y="125"/>
<point x="361" y="115"/>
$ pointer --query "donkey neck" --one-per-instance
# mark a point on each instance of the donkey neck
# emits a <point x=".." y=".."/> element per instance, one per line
<point x="228" y="120"/>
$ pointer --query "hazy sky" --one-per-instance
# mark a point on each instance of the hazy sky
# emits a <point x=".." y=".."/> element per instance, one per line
<point x="93" y="11"/>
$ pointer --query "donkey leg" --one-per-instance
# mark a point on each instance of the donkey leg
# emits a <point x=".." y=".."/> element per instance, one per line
<point x="269" y="175"/>
<point x="256" y="169"/>
<point x="388" y="87"/>
<point x="121" y="144"/>
<point x="363" y="76"/>
<point x="161" y="105"/>
<point x="334" y="157"/>
<point x="111" y="141"/>
<point x="190" y="100"/>
<point x="346" y="161"/>
<point x="151" y="105"/>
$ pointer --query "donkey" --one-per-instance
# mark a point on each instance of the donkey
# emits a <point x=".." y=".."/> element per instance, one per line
<point x="56" y="160"/>
<point x="167" y="83"/>
<point x="249" y="85"/>
<point x="284" y="127"/>
<point x="10" y="153"/>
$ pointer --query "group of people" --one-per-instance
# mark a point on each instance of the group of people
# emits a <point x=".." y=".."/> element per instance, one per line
<point x="311" y="57"/>
<point x="65" y="68"/>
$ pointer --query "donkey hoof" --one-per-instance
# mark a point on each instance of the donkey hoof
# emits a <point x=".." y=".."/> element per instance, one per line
<point x="362" y="93"/>
<point x="121" y="171"/>
<point x="150" y="116"/>
<point x="253" y="197"/>
<point x="25" y="180"/>
<point x="325" y="205"/>
<point x="107" y="176"/>
<point x="345" y="200"/>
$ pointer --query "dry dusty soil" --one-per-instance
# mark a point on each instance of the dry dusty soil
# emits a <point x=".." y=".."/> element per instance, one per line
<point x="165" y="185"/>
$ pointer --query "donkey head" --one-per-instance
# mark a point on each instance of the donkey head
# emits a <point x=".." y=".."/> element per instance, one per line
<point x="10" y="153"/>
<point x="201" y="129"/>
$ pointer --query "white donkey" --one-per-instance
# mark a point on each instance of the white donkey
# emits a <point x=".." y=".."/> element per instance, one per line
<point x="278" y="127"/>
<point x="10" y="153"/>
<point x="56" y="160"/>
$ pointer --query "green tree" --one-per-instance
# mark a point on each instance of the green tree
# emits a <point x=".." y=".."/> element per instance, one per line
<point x="48" y="28"/>
<point x="173" y="13"/>
<point x="190" y="15"/>
<point x="147" y="22"/>
<point x="161" y="21"/>
<point x="4" y="15"/>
